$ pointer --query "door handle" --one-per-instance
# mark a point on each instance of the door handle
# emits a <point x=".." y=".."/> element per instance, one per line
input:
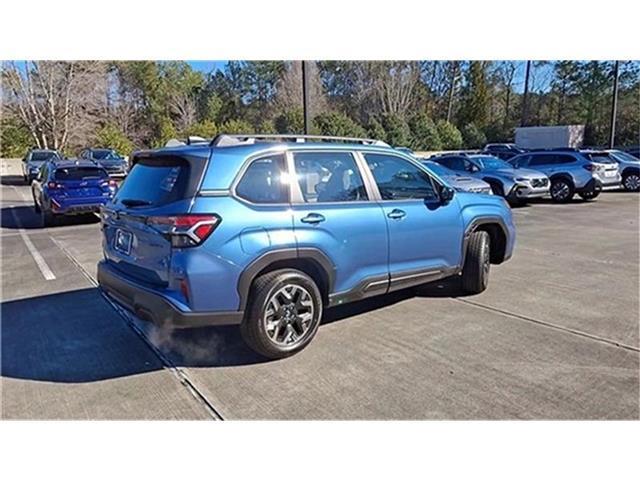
<point x="396" y="214"/>
<point x="313" y="218"/>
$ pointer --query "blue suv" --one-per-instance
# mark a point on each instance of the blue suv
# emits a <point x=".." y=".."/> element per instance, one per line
<point x="267" y="231"/>
<point x="66" y="187"/>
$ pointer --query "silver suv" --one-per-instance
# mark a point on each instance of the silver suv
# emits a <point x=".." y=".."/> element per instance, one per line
<point x="571" y="172"/>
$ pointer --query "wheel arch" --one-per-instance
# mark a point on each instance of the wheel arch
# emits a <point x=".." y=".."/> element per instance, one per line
<point x="311" y="261"/>
<point x="563" y="176"/>
<point x="497" y="231"/>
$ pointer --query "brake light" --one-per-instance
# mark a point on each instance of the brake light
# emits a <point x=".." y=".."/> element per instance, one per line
<point x="185" y="230"/>
<point x="110" y="184"/>
<point x="54" y="185"/>
<point x="589" y="166"/>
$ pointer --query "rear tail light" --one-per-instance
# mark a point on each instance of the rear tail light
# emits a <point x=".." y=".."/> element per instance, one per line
<point x="590" y="166"/>
<point x="54" y="185"/>
<point x="185" y="230"/>
<point x="110" y="184"/>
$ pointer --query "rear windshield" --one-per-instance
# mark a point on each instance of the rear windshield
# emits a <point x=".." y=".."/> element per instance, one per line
<point x="155" y="182"/>
<point x="80" y="173"/>
<point x="105" y="155"/>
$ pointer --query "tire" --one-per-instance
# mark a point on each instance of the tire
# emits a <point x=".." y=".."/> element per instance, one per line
<point x="589" y="195"/>
<point x="631" y="182"/>
<point x="561" y="190"/>
<point x="35" y="204"/>
<point x="477" y="262"/>
<point x="496" y="187"/>
<point x="48" y="218"/>
<point x="278" y="342"/>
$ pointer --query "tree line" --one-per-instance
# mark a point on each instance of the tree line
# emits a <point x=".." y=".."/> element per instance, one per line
<point x="424" y="105"/>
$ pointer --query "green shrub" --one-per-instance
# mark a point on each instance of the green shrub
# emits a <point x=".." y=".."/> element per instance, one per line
<point x="398" y="132"/>
<point x="290" y="121"/>
<point x="472" y="136"/>
<point x="110" y="136"/>
<point x="450" y="136"/>
<point x="424" y="134"/>
<point x="338" y="124"/>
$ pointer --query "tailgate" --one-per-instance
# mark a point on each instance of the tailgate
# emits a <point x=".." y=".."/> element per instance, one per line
<point x="158" y="186"/>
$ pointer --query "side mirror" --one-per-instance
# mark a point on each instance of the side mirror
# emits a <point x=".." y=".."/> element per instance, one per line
<point x="446" y="194"/>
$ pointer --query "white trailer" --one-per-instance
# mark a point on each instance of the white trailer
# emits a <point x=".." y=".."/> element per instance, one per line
<point x="550" y="137"/>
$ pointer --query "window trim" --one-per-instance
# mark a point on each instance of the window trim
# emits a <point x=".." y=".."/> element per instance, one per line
<point x="246" y="165"/>
<point x="437" y="186"/>
<point x="297" y="198"/>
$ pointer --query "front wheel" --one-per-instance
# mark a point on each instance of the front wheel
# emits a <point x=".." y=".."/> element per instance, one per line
<point x="561" y="190"/>
<point x="477" y="263"/>
<point x="283" y="314"/>
<point x="631" y="182"/>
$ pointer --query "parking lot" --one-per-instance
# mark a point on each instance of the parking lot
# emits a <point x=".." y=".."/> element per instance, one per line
<point x="555" y="336"/>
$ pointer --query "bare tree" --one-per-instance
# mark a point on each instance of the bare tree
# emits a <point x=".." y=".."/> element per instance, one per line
<point x="289" y="89"/>
<point x="394" y="86"/>
<point x="58" y="102"/>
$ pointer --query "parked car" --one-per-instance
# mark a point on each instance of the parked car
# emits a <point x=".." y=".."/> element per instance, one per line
<point x="462" y="183"/>
<point x="107" y="158"/>
<point x="69" y="188"/>
<point x="217" y="234"/>
<point x="517" y="185"/>
<point x="504" y="151"/>
<point x="628" y="165"/>
<point x="570" y="172"/>
<point x="34" y="159"/>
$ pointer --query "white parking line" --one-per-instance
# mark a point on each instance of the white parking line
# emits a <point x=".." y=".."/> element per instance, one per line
<point x="42" y="265"/>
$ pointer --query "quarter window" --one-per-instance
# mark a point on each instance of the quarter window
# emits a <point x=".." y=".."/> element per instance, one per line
<point x="265" y="181"/>
<point x="329" y="177"/>
<point x="398" y="179"/>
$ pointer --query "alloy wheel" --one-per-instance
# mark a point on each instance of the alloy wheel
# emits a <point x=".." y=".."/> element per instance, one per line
<point x="288" y="315"/>
<point x="560" y="191"/>
<point x="632" y="182"/>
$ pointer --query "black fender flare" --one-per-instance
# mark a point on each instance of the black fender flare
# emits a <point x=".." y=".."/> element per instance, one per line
<point x="252" y="270"/>
<point x="477" y="222"/>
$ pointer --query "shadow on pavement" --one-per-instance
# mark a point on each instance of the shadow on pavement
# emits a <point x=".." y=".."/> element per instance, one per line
<point x="77" y="336"/>
<point x="13" y="180"/>
<point x="26" y="217"/>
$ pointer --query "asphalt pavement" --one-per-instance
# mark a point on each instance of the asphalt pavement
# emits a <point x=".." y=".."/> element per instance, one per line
<point x="556" y="335"/>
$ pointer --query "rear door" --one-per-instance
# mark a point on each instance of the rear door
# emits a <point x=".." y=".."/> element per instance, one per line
<point x="425" y="235"/>
<point x="157" y="187"/>
<point x="334" y="211"/>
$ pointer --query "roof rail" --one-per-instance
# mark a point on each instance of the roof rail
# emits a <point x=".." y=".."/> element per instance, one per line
<point x="224" y="140"/>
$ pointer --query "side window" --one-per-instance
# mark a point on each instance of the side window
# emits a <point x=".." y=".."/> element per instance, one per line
<point x="329" y="177"/>
<point x="565" y="159"/>
<point x="541" y="160"/>
<point x="458" y="163"/>
<point x="521" y="162"/>
<point x="398" y="179"/>
<point x="264" y="181"/>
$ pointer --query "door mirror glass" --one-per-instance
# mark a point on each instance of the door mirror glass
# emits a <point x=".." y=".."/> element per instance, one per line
<point x="446" y="194"/>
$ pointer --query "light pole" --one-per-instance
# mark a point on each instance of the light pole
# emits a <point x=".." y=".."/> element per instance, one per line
<point x="525" y="97"/>
<point x="614" y="105"/>
<point x="305" y="97"/>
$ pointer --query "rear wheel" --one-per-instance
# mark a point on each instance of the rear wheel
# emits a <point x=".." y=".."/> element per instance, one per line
<point x="561" y="190"/>
<point x="477" y="263"/>
<point x="589" y="195"/>
<point x="283" y="314"/>
<point x="631" y="182"/>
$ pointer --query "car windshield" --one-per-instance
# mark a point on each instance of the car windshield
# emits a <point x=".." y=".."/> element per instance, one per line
<point x="105" y="155"/>
<point x="438" y="169"/>
<point x="624" y="157"/>
<point x="491" y="163"/>
<point x="80" y="173"/>
<point x="42" y="156"/>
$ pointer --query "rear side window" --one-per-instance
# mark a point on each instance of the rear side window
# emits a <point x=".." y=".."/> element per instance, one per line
<point x="155" y="182"/>
<point x="264" y="181"/>
<point x="329" y="177"/>
<point x="537" y="160"/>
<point x="79" y="173"/>
<point x="454" y="163"/>
<point x="398" y="179"/>
<point x="42" y="156"/>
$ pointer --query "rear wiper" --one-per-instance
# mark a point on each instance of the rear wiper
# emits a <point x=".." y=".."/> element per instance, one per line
<point x="134" y="202"/>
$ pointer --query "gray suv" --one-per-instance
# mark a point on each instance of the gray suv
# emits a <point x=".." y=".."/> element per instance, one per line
<point x="516" y="185"/>
<point x="571" y="172"/>
<point x="34" y="159"/>
<point x="628" y="164"/>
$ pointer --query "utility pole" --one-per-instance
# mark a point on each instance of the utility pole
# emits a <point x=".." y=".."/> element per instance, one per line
<point x="305" y="97"/>
<point x="614" y="105"/>
<point x="525" y="97"/>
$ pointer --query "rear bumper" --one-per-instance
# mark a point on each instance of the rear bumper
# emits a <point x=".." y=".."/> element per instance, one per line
<point x="593" y="185"/>
<point x="154" y="307"/>
<point x="61" y="206"/>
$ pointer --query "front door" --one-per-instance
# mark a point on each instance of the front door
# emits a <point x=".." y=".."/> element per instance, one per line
<point x="425" y="234"/>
